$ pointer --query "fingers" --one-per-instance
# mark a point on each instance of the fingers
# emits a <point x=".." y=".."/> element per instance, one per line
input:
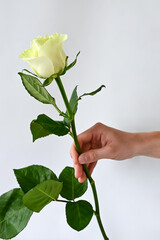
<point x="82" y="178"/>
<point x="93" y="155"/>
<point x="91" y="167"/>
<point x="79" y="172"/>
<point x="74" y="155"/>
<point x="84" y="141"/>
<point x="89" y="157"/>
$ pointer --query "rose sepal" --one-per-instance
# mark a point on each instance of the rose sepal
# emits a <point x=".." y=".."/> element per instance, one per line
<point x="68" y="67"/>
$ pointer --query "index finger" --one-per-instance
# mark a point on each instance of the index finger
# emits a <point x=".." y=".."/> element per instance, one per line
<point x="84" y="140"/>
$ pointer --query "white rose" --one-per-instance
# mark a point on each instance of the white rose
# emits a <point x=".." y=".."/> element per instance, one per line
<point x="46" y="56"/>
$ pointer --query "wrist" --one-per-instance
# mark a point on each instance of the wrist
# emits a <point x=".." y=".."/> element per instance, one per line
<point x="147" y="144"/>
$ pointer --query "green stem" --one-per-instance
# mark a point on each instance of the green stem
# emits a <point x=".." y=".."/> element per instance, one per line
<point x="92" y="183"/>
<point x="64" y="201"/>
<point x="64" y="96"/>
<point x="60" y="113"/>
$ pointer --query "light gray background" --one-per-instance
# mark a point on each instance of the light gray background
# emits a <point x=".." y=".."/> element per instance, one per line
<point x="120" y="47"/>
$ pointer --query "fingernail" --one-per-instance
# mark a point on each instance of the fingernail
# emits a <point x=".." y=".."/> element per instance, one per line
<point x="80" y="180"/>
<point x="83" y="159"/>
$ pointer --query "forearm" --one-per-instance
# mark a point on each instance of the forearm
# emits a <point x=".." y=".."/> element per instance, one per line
<point x="147" y="144"/>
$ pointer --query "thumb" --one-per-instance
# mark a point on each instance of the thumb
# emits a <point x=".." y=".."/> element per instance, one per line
<point x="92" y="156"/>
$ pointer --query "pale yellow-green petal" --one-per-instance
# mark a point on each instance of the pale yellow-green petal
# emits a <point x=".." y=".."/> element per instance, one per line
<point x="37" y="43"/>
<point x="28" y="53"/>
<point x="54" y="51"/>
<point x="42" y="66"/>
<point x="61" y="38"/>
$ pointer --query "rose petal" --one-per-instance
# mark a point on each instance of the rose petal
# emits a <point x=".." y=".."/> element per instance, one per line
<point x="42" y="66"/>
<point x="60" y="37"/>
<point x="54" y="51"/>
<point x="28" y="53"/>
<point x="37" y="43"/>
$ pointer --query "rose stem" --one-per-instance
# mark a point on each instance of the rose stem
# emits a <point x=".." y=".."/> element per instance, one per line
<point x="92" y="182"/>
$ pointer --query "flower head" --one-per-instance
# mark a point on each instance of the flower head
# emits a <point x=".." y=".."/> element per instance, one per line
<point x="46" y="55"/>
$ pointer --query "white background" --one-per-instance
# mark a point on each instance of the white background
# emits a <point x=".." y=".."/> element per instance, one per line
<point x="120" y="47"/>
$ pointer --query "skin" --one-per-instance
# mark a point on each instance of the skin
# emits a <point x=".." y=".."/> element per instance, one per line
<point x="103" y="142"/>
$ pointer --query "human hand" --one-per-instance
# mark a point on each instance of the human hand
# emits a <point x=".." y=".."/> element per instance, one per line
<point x="101" y="141"/>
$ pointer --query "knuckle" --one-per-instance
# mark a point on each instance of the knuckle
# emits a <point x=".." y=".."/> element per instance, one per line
<point x="98" y="124"/>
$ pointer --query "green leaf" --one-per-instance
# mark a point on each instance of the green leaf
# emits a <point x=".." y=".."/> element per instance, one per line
<point x="73" y="100"/>
<point x="31" y="176"/>
<point x="79" y="214"/>
<point x="14" y="216"/>
<point x="71" y="187"/>
<point x="44" y="126"/>
<point x="35" y="89"/>
<point x="37" y="198"/>
<point x="92" y="93"/>
<point x="73" y="103"/>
